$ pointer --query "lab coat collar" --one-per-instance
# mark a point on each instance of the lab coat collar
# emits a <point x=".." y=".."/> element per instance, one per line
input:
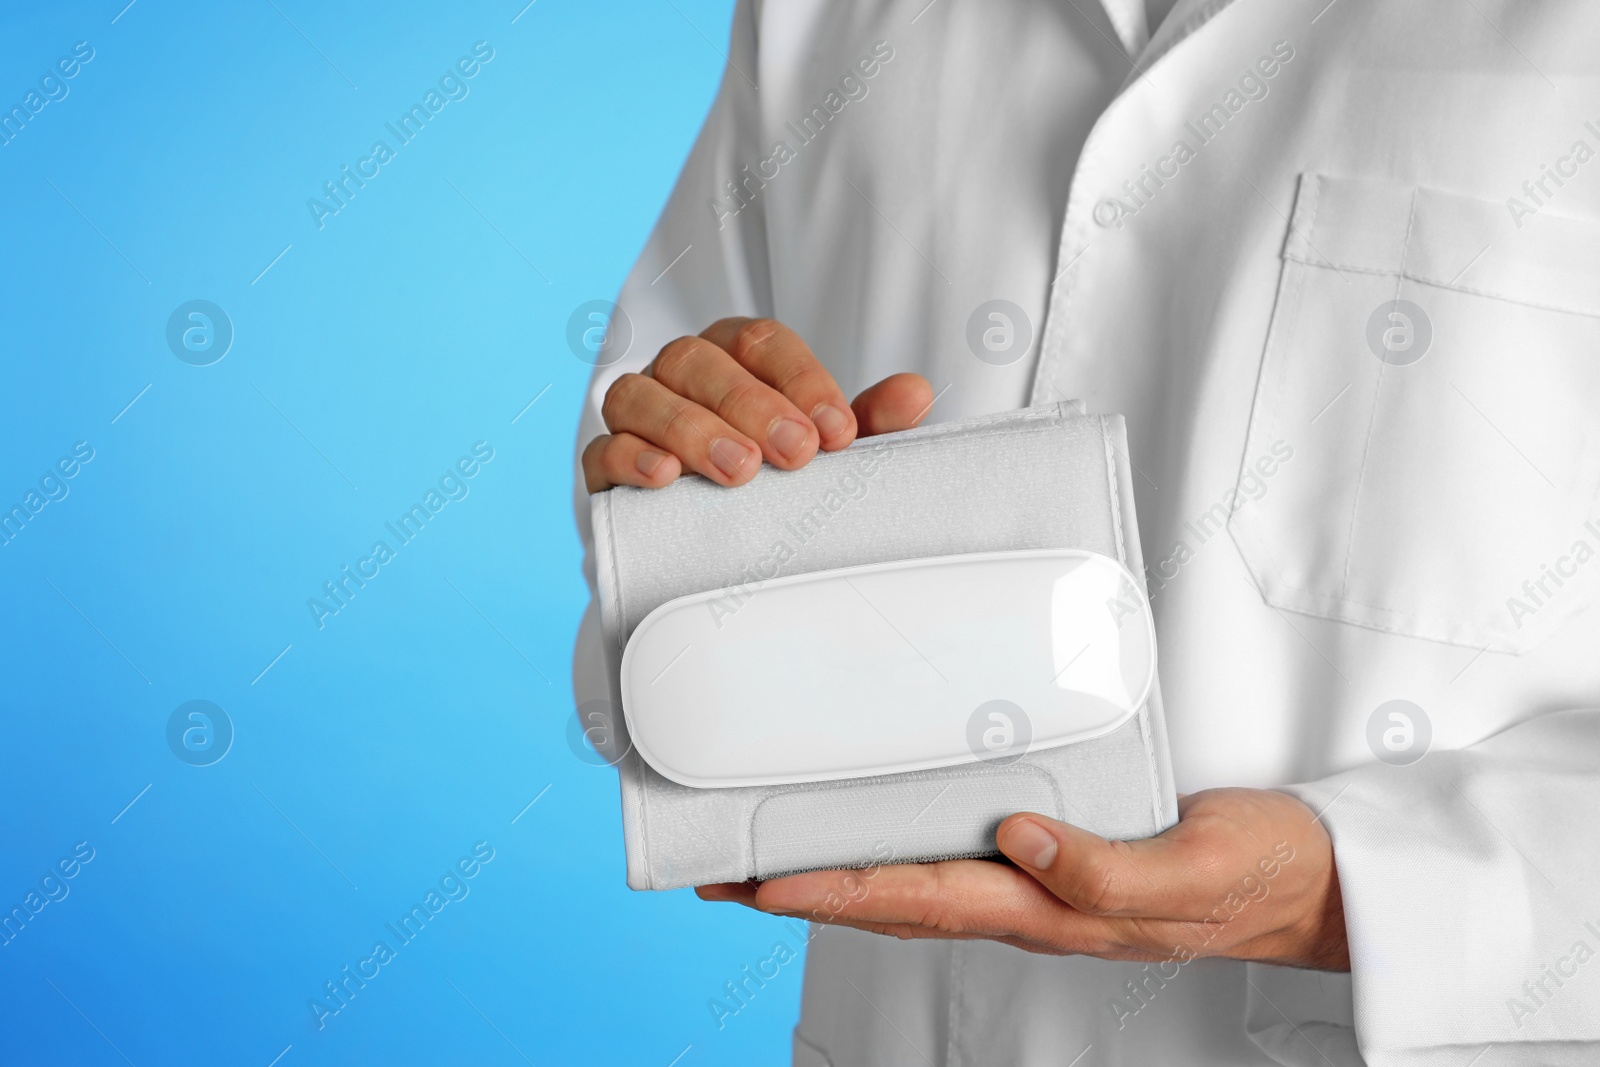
<point x="1128" y="19"/>
<point x="1144" y="49"/>
<point x="1185" y="17"/>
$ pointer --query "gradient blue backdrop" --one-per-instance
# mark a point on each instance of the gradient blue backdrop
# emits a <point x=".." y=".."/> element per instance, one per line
<point x="370" y="754"/>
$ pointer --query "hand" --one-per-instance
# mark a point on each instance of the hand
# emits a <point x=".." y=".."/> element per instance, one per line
<point x="1246" y="873"/>
<point x="744" y="390"/>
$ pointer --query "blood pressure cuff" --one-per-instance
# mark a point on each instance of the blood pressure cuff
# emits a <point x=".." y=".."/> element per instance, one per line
<point x="1037" y="479"/>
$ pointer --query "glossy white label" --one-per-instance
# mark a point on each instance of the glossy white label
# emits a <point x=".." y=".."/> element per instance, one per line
<point x="888" y="668"/>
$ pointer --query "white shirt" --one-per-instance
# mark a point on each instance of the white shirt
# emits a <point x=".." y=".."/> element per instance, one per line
<point x="1421" y="535"/>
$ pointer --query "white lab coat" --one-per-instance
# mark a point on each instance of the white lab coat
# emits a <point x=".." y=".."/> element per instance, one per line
<point x="986" y="158"/>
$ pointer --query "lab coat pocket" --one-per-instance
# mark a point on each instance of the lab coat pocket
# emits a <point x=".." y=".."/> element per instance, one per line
<point x="1427" y="400"/>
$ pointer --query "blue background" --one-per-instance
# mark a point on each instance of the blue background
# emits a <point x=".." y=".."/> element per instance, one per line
<point x="369" y="755"/>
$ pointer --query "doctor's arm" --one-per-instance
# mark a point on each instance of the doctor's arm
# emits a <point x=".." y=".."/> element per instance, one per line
<point x="1246" y="873"/>
<point x="713" y="385"/>
<point x="700" y="391"/>
<point x="1453" y="889"/>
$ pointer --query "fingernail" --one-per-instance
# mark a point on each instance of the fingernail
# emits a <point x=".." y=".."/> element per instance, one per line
<point x="1028" y="842"/>
<point x="648" y="461"/>
<point x="788" y="437"/>
<point x="729" y="456"/>
<point x="830" y="421"/>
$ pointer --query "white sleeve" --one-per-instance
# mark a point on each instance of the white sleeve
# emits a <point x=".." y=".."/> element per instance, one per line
<point x="1471" y="884"/>
<point x="697" y="267"/>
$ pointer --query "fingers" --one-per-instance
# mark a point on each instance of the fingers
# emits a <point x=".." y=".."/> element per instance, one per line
<point x="776" y="355"/>
<point x="1172" y="876"/>
<point x="743" y="391"/>
<point x="729" y="892"/>
<point x="898" y="402"/>
<point x="705" y="443"/>
<point x="958" y="898"/>
<point x="1081" y="868"/>
<point x="623" y="459"/>
<point x="701" y="372"/>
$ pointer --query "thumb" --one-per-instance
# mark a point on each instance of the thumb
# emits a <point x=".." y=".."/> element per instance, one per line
<point x="898" y="402"/>
<point x="1088" y="872"/>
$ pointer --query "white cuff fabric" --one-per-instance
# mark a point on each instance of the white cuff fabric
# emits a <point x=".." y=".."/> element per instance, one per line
<point x="1040" y="478"/>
